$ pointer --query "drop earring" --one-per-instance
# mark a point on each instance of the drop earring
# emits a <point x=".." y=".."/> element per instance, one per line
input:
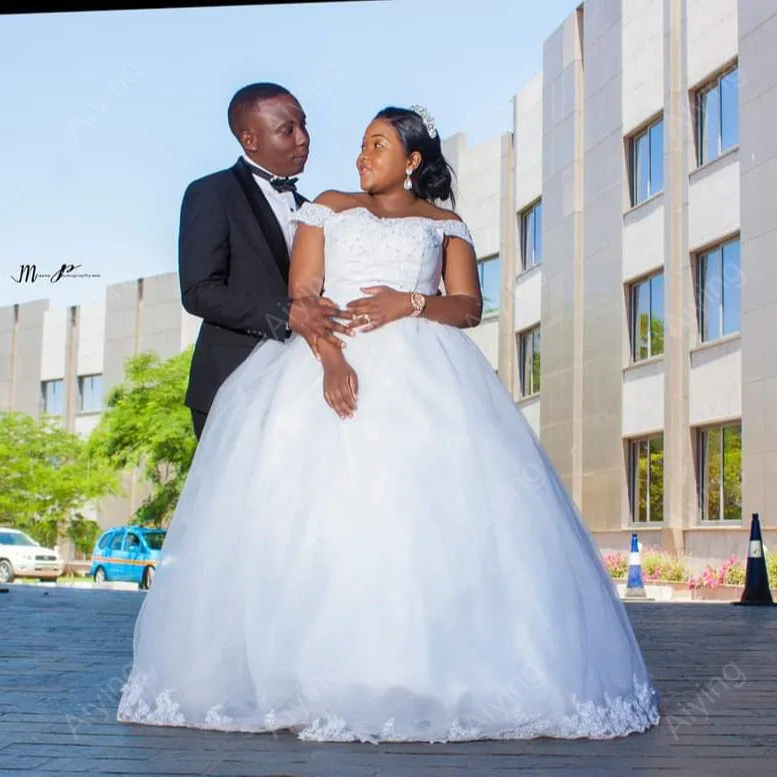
<point x="408" y="183"/>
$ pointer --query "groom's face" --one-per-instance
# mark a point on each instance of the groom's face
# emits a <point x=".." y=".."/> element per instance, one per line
<point x="276" y="136"/>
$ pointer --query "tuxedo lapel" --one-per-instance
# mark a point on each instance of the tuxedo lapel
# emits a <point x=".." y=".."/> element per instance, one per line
<point x="269" y="225"/>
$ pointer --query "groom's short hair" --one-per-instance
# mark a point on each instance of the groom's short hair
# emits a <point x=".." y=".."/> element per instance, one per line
<point x="246" y="99"/>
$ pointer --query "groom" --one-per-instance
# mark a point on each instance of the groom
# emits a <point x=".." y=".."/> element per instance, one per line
<point x="235" y="242"/>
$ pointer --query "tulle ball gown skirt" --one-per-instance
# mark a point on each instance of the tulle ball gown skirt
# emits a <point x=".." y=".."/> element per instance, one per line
<point x="414" y="573"/>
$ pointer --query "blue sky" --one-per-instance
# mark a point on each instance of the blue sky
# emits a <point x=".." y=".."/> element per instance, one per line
<point x="107" y="116"/>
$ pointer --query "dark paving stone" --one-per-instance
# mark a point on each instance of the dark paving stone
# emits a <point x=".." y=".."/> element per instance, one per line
<point x="64" y="656"/>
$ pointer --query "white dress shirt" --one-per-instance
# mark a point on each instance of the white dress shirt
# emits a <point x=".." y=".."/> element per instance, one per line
<point x="282" y="204"/>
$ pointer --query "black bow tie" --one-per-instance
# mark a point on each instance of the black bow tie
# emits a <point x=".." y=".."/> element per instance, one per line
<point x="277" y="183"/>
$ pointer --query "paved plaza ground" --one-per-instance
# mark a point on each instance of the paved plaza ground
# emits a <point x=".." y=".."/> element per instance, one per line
<point x="64" y="652"/>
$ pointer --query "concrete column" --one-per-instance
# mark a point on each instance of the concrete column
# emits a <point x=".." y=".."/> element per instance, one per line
<point x="134" y="501"/>
<point x="71" y="369"/>
<point x="13" y="358"/>
<point x="678" y="283"/>
<point x="578" y="298"/>
<point x="757" y="29"/>
<point x="508" y="255"/>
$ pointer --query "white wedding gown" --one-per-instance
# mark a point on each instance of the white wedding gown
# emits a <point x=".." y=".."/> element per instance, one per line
<point x="415" y="573"/>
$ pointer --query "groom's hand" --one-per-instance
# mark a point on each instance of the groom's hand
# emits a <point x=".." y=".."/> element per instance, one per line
<point x="312" y="317"/>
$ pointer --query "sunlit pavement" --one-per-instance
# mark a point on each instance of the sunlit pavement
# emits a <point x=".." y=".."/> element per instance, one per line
<point x="64" y="653"/>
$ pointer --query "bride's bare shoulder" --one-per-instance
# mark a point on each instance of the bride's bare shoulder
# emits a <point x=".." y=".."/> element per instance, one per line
<point x="442" y="214"/>
<point x="339" y="201"/>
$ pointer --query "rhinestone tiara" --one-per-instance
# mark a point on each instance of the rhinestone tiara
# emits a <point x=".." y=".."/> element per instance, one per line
<point x="427" y="119"/>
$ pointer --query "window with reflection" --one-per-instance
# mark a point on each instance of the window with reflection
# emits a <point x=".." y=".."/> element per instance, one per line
<point x="529" y="361"/>
<point x="646" y="479"/>
<point x="717" y="117"/>
<point x="647" y="163"/>
<point x="647" y="317"/>
<point x="90" y="393"/>
<point x="720" y="473"/>
<point x="718" y="291"/>
<point x="490" y="281"/>
<point x="531" y="236"/>
<point x="52" y="397"/>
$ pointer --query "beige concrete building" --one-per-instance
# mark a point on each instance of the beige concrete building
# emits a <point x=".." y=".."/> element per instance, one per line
<point x="625" y="229"/>
<point x="478" y="192"/>
<point x="643" y="152"/>
<point x="63" y="361"/>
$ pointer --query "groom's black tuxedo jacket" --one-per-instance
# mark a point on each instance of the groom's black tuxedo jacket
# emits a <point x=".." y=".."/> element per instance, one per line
<point x="233" y="266"/>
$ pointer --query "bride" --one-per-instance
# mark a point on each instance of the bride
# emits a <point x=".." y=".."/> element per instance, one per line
<point x="372" y="544"/>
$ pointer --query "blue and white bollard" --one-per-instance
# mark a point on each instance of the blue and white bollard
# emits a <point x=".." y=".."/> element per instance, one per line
<point x="635" y="586"/>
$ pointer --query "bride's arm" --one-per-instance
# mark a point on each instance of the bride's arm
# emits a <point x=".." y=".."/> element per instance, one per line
<point x="462" y="303"/>
<point x="306" y="280"/>
<point x="306" y="273"/>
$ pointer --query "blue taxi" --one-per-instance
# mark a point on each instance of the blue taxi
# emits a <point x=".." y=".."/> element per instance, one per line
<point x="127" y="554"/>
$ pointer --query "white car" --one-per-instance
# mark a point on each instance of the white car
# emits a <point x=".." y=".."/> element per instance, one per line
<point x="21" y="556"/>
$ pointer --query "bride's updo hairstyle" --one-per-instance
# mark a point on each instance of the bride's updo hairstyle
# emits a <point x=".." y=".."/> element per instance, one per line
<point x="433" y="178"/>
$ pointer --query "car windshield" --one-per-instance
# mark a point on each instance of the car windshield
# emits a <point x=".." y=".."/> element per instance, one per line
<point x="154" y="539"/>
<point x="20" y="539"/>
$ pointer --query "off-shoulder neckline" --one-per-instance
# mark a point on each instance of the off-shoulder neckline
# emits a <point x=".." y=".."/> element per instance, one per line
<point x="385" y="218"/>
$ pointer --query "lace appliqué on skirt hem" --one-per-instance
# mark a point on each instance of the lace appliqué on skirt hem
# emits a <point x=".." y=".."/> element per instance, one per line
<point x="615" y="718"/>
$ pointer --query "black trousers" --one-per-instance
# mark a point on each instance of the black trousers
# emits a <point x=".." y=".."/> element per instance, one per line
<point x="198" y="420"/>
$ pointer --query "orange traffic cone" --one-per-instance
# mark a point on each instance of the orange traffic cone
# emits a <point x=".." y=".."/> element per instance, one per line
<point x="756" y="577"/>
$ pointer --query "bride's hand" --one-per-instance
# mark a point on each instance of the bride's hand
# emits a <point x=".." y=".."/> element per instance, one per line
<point x="382" y="306"/>
<point x="341" y="386"/>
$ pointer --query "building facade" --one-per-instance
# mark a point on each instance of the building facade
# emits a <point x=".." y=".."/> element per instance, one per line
<point x="640" y="275"/>
<point x="624" y="229"/>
